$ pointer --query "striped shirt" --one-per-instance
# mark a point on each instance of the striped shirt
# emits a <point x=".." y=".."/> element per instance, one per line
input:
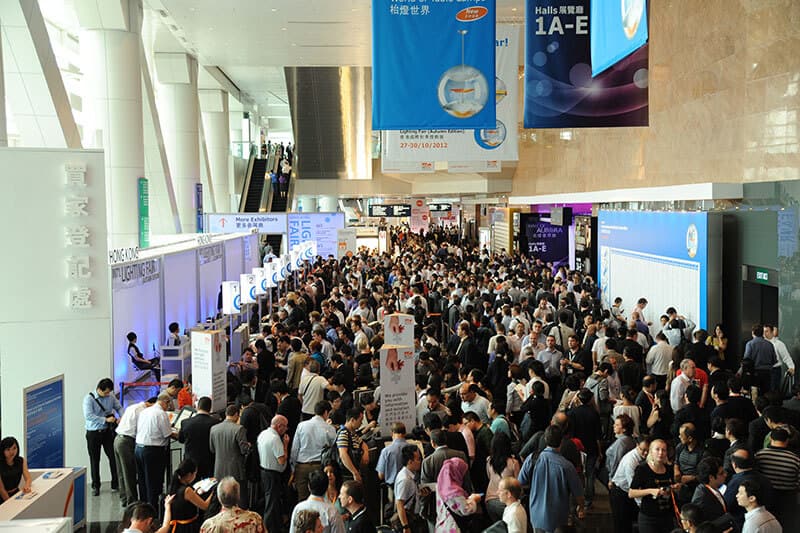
<point x="781" y="466"/>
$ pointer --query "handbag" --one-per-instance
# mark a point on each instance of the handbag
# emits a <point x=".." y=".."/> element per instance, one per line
<point x="787" y="383"/>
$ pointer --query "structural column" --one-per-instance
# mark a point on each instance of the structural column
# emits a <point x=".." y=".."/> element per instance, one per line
<point x="3" y="126"/>
<point x="110" y="47"/>
<point x="214" y="107"/>
<point x="327" y="204"/>
<point x="178" y="109"/>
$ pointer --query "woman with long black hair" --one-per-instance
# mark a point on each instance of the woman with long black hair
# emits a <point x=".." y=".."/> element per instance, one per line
<point x="502" y="463"/>
<point x="187" y="504"/>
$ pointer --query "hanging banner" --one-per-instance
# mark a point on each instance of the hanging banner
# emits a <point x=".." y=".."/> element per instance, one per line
<point x="420" y="216"/>
<point x="454" y="167"/>
<point x="209" y="367"/>
<point x="231" y="298"/>
<point x="616" y="32"/>
<point x="143" y="188"/>
<point x="134" y="274"/>
<point x="398" y="329"/>
<point x="247" y="286"/>
<point x="398" y="398"/>
<point x="430" y="69"/>
<point x="447" y="218"/>
<point x="498" y="143"/>
<point x="271" y="223"/>
<point x="560" y="91"/>
<point x="406" y="167"/>
<point x="198" y="207"/>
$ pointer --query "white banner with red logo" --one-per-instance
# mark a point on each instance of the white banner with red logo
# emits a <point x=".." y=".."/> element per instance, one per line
<point x="420" y="216"/>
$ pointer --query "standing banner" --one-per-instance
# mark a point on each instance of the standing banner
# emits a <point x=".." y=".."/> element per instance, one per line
<point x="231" y="298"/>
<point x="209" y="367"/>
<point x="420" y="216"/>
<point x="430" y="69"/>
<point x="497" y="143"/>
<point x="398" y="398"/>
<point x="348" y="241"/>
<point x="43" y="404"/>
<point x="247" y="286"/>
<point x="560" y="91"/>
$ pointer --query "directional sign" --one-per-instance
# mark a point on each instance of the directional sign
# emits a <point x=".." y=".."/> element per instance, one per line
<point x="261" y="280"/>
<point x="389" y="210"/>
<point x="247" y="283"/>
<point x="440" y="207"/>
<point x="231" y="298"/>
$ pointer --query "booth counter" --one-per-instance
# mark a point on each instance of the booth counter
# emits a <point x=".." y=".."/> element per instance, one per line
<point x="55" y="493"/>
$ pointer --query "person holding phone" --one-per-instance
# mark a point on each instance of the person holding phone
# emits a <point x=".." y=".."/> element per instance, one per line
<point x="652" y="486"/>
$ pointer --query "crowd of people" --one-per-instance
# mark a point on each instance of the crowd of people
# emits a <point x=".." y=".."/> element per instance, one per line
<point x="533" y="400"/>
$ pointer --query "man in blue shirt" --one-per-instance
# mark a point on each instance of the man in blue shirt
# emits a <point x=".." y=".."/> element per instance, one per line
<point x="390" y="461"/>
<point x="553" y="480"/>
<point x="98" y="410"/>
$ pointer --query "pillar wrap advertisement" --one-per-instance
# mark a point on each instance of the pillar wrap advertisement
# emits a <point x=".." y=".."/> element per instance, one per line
<point x="430" y="69"/>
<point x="560" y="91"/>
<point x="494" y="144"/>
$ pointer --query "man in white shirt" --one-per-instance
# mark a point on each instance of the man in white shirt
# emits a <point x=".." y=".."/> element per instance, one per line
<point x="677" y="389"/>
<point x="784" y="358"/>
<point x="514" y="514"/>
<point x="406" y="490"/>
<point x="328" y="515"/>
<point x="310" y="439"/>
<point x="125" y="451"/>
<point x="658" y="360"/>
<point x="472" y="401"/>
<point x="153" y="432"/>
<point x="312" y="389"/>
<point x="757" y="519"/>
<point x="273" y="454"/>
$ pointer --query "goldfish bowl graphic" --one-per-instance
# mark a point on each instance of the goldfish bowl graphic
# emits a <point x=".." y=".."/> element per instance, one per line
<point x="463" y="91"/>
<point x="691" y="240"/>
<point x="632" y="11"/>
<point x="500" y="90"/>
<point x="489" y="139"/>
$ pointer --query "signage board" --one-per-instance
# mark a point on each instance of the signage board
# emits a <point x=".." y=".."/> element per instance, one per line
<point x="209" y="367"/>
<point x="143" y="189"/>
<point x="434" y="208"/>
<point x="389" y="210"/>
<point x="270" y="223"/>
<point x="231" y="298"/>
<point x="43" y="405"/>
<point x="318" y="227"/>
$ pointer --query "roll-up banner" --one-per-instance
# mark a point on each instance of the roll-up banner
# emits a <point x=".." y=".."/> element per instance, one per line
<point x="496" y="143"/>
<point x="430" y="69"/>
<point x="579" y="71"/>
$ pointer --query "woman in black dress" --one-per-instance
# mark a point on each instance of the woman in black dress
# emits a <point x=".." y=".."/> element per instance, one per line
<point x="187" y="504"/>
<point x="13" y="469"/>
<point x="654" y="484"/>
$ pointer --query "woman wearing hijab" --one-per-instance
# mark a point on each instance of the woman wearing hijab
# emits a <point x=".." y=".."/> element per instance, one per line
<point x="453" y="505"/>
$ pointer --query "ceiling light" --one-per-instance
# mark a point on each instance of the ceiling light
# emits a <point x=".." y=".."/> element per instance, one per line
<point x="513" y="9"/>
<point x="294" y="44"/>
<point x="274" y="9"/>
<point x="283" y="29"/>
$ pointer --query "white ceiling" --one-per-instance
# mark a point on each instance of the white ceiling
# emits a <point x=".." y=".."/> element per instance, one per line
<point x="252" y="40"/>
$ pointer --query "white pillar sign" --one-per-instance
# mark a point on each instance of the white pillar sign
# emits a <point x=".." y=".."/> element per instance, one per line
<point x="346" y="238"/>
<point x="398" y="399"/>
<point x="231" y="298"/>
<point x="261" y="280"/>
<point x="273" y="273"/>
<point x="398" y="329"/>
<point x="247" y="286"/>
<point x="209" y="367"/>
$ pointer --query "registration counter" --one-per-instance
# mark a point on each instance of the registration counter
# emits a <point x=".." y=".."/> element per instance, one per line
<point x="55" y="493"/>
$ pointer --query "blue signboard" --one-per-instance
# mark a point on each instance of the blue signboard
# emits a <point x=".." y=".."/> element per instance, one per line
<point x="319" y="227"/>
<point x="198" y="206"/>
<point x="618" y="30"/>
<point x="660" y="256"/>
<point x="44" y="423"/>
<point x="433" y="65"/>
<point x="560" y="89"/>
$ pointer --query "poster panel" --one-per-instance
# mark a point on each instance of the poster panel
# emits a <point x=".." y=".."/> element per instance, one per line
<point x="44" y="423"/>
<point x="398" y="399"/>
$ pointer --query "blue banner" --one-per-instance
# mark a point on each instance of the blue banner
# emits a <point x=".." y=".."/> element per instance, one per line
<point x="44" y="424"/>
<point x="560" y="91"/>
<point x="433" y="64"/>
<point x="618" y="30"/>
<point x="542" y="240"/>
<point x="318" y="227"/>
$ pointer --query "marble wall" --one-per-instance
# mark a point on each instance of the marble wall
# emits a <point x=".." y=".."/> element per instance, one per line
<point x="724" y="106"/>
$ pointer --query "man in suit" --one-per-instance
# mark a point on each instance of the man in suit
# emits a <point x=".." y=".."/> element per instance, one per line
<point x="288" y="404"/>
<point x="707" y="496"/>
<point x="257" y="389"/>
<point x="432" y="464"/>
<point x="228" y="441"/>
<point x="735" y="433"/>
<point x="467" y="352"/>
<point x="194" y="434"/>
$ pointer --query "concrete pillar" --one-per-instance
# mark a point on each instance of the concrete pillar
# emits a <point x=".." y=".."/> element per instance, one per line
<point x="3" y="128"/>
<point x="307" y="204"/>
<point x="177" y="101"/>
<point x="214" y="106"/>
<point x="113" y="105"/>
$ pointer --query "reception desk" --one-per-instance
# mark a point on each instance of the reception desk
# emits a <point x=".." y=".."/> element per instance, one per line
<point x="55" y="493"/>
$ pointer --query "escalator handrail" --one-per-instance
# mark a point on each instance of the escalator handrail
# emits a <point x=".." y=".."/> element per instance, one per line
<point x="248" y="175"/>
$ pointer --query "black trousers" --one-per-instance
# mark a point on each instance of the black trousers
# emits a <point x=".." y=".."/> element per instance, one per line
<point x="95" y="441"/>
<point x="624" y="510"/>
<point x="273" y="492"/>
<point x="151" y="464"/>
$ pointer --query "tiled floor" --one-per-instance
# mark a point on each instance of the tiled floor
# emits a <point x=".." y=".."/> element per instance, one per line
<point x="104" y="513"/>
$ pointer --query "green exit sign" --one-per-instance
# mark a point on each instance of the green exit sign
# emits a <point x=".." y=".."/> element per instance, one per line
<point x="762" y="276"/>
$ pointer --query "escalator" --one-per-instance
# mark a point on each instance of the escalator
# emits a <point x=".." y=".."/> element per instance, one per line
<point x="254" y="185"/>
